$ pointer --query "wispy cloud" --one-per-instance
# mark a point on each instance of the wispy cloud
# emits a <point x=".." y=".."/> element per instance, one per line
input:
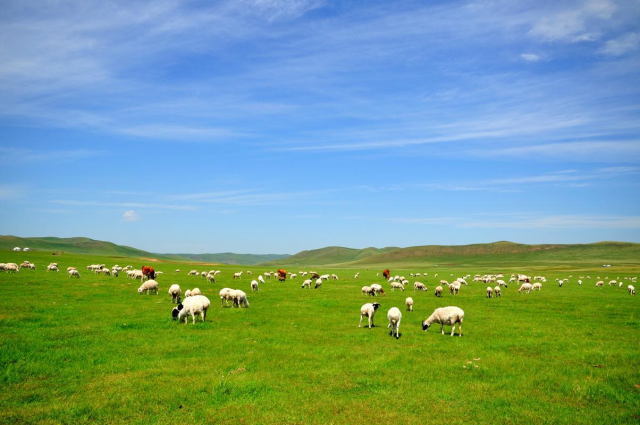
<point x="531" y="57"/>
<point x="621" y="45"/>
<point x="77" y="203"/>
<point x="20" y="156"/>
<point x="10" y="191"/>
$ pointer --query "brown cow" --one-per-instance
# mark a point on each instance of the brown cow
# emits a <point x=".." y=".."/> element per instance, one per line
<point x="386" y="273"/>
<point x="148" y="272"/>
<point x="282" y="275"/>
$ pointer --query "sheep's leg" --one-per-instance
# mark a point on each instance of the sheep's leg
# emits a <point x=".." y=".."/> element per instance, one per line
<point x="442" y="328"/>
<point x="360" y="324"/>
<point x="453" y="328"/>
<point x="460" y="328"/>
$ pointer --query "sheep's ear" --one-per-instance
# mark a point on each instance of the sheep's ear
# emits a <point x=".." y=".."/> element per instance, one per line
<point x="180" y="307"/>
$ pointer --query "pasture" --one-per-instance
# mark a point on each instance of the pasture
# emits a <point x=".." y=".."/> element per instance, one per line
<point x="94" y="350"/>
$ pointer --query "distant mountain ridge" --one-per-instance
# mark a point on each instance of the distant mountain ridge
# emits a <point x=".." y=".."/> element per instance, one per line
<point x="81" y="245"/>
<point x="503" y="252"/>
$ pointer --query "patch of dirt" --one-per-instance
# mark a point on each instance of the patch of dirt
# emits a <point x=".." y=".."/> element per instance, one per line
<point x="151" y="259"/>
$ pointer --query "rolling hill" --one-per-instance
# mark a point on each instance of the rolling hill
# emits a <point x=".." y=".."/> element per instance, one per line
<point x="507" y="253"/>
<point x="73" y="245"/>
<point x="91" y="246"/>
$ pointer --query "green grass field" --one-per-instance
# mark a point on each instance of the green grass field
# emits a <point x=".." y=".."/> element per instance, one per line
<point x="94" y="350"/>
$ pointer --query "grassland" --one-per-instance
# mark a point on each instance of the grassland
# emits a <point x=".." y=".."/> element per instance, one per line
<point x="94" y="350"/>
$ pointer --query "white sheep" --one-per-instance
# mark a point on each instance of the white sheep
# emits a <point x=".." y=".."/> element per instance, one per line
<point x="377" y="289"/>
<point x="334" y="276"/>
<point x="356" y="276"/>
<point x="175" y="292"/>
<point x="195" y="291"/>
<point x="211" y="277"/>
<point x="599" y="284"/>
<point x="226" y="295"/>
<point x="525" y="287"/>
<point x="318" y="284"/>
<point x="368" y="310"/>
<point x="237" y="275"/>
<point x="187" y="293"/>
<point x="497" y="291"/>
<point x="394" y="315"/>
<point x="293" y="275"/>
<point x="397" y="285"/>
<point x="489" y="291"/>
<point x="419" y="286"/>
<point x="254" y="285"/>
<point x="502" y="283"/>
<point x="52" y="268"/>
<point x="438" y="292"/>
<point x="193" y="273"/>
<point x="632" y="290"/>
<point x="445" y="316"/>
<point x="239" y="298"/>
<point x="260" y="279"/>
<point x="148" y="286"/>
<point x="367" y="290"/>
<point x="74" y="272"/>
<point x="536" y="286"/>
<point x="307" y="283"/>
<point x="191" y="306"/>
<point x="409" y="303"/>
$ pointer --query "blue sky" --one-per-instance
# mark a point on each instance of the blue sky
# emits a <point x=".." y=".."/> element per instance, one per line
<point x="273" y="126"/>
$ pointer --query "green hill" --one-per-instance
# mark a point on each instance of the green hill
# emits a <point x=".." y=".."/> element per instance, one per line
<point x="74" y="245"/>
<point x="505" y="253"/>
<point x="330" y="255"/>
<point x="95" y="247"/>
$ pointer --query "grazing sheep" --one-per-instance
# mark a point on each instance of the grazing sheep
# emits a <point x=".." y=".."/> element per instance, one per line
<point x="525" y="287"/>
<point x="497" y="291"/>
<point x="394" y="315"/>
<point x="502" y="283"/>
<point x="175" y="292"/>
<point x="74" y="272"/>
<point x="334" y="276"/>
<point x="489" y="291"/>
<point x="419" y="286"/>
<point x="195" y="291"/>
<point x="254" y="285"/>
<point x="318" y="284"/>
<point x="307" y="283"/>
<point x="356" y="276"/>
<point x="368" y="310"/>
<point x="368" y="290"/>
<point x="445" y="316"/>
<point x="211" y="277"/>
<point x="239" y="298"/>
<point x="632" y="290"/>
<point x="536" y="286"/>
<point x="293" y="275"/>
<point x="226" y="295"/>
<point x="409" y="303"/>
<point x="52" y="268"/>
<point x="599" y="284"/>
<point x="397" y="285"/>
<point x="260" y="279"/>
<point x="148" y="286"/>
<point x="187" y="293"/>
<point x="377" y="289"/>
<point x="237" y="275"/>
<point x="191" y="306"/>
<point x="454" y="288"/>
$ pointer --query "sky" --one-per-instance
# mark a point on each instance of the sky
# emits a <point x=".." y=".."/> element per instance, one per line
<point x="275" y="126"/>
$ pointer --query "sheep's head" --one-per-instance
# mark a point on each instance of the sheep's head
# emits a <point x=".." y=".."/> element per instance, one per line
<point x="176" y="311"/>
<point x="375" y="306"/>
<point x="382" y="292"/>
<point x="425" y="325"/>
<point x="140" y="290"/>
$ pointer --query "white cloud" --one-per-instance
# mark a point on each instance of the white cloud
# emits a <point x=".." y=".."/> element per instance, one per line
<point x="531" y="57"/>
<point x="621" y="45"/>
<point x="579" y="23"/>
<point x="130" y="216"/>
